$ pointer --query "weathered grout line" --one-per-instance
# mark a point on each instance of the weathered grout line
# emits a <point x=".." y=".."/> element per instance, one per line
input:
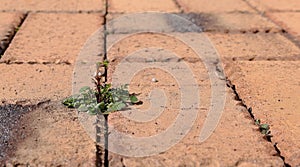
<point x="283" y="11"/>
<point x="99" y="150"/>
<point x="178" y="6"/>
<point x="286" y="34"/>
<point x="8" y="62"/>
<point x="225" y="31"/>
<point x="12" y="34"/>
<point x="53" y="12"/>
<point x="249" y="109"/>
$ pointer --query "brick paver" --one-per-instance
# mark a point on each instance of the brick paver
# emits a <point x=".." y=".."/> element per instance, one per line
<point x="49" y="127"/>
<point x="272" y="88"/>
<point x="275" y="5"/>
<point x="207" y="22"/>
<point x="204" y="6"/>
<point x="288" y="20"/>
<point x="52" y="5"/>
<point x="260" y="46"/>
<point x="26" y="81"/>
<point x="50" y="38"/>
<point x="258" y="55"/>
<point x="233" y="22"/>
<point x="136" y="6"/>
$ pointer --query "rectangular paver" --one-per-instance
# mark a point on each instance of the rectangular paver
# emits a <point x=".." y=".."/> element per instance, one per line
<point x="52" y="5"/>
<point x="25" y="81"/>
<point x="133" y="6"/>
<point x="272" y="89"/>
<point x="50" y="38"/>
<point x="191" y="22"/>
<point x="54" y="137"/>
<point x="275" y="5"/>
<point x="233" y="22"/>
<point x="208" y="6"/>
<point x="288" y="20"/>
<point x="260" y="46"/>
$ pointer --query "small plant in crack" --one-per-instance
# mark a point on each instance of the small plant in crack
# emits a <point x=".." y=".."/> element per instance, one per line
<point x="264" y="129"/>
<point x="103" y="99"/>
<point x="17" y="29"/>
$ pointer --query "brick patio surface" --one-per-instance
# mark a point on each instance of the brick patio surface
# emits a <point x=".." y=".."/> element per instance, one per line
<point x="43" y="44"/>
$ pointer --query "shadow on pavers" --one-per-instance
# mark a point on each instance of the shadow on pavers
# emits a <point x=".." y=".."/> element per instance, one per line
<point x="43" y="133"/>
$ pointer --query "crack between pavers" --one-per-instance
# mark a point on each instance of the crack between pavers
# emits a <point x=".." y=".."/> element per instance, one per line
<point x="287" y="35"/>
<point x="11" y="34"/>
<point x="9" y="62"/>
<point x="219" y="31"/>
<point x="282" y="11"/>
<point x="55" y="12"/>
<point x="101" y="160"/>
<point x="249" y="109"/>
<point x="178" y="6"/>
<point x="122" y="162"/>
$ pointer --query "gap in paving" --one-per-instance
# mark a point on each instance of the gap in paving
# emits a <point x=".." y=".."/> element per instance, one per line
<point x="178" y="6"/>
<point x="286" y="34"/>
<point x="102" y="153"/>
<point x="249" y="109"/>
<point x="11" y="34"/>
<point x="54" y="12"/>
<point x="283" y="11"/>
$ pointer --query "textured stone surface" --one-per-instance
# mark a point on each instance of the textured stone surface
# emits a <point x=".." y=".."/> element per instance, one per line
<point x="288" y="20"/>
<point x="272" y="89"/>
<point x="233" y="22"/>
<point x="253" y="47"/>
<point x="135" y="6"/>
<point x="206" y="6"/>
<point x="54" y="38"/>
<point x="25" y="81"/>
<point x="52" y="5"/>
<point x="51" y="135"/>
<point x="236" y="141"/>
<point x="275" y="5"/>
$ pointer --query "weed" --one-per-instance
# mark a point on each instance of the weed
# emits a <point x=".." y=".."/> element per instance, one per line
<point x="17" y="29"/>
<point x="102" y="100"/>
<point x="263" y="128"/>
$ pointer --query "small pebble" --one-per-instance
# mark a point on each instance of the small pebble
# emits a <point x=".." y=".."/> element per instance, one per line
<point x="154" y="80"/>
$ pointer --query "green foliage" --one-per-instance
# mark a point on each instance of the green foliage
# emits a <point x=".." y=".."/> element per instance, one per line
<point x="102" y="64"/>
<point x="17" y="29"/>
<point x="110" y="100"/>
<point x="263" y="128"/>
